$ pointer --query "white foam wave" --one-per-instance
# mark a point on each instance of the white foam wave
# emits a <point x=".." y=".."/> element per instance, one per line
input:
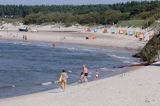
<point x="126" y="61"/>
<point x="78" y="49"/>
<point x="104" y="69"/>
<point x="118" y="57"/>
<point x="69" y="71"/>
<point x="72" y="49"/>
<point x="46" y="83"/>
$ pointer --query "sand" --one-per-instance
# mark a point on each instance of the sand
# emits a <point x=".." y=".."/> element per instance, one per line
<point x="140" y="87"/>
<point x="74" y="36"/>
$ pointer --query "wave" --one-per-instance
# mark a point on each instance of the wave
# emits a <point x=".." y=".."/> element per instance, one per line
<point x="41" y="44"/>
<point x="71" y="49"/>
<point x="126" y="61"/>
<point x="29" y="84"/>
<point x="118" y="57"/>
<point x="104" y="69"/>
<point x="46" y="83"/>
<point x="78" y="49"/>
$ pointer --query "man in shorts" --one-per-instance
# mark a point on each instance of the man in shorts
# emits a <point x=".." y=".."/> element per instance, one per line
<point x="85" y="72"/>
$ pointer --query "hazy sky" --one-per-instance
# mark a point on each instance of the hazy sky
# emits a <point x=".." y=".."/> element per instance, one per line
<point x="50" y="2"/>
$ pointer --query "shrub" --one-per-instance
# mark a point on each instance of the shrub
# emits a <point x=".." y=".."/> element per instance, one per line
<point x="150" y="51"/>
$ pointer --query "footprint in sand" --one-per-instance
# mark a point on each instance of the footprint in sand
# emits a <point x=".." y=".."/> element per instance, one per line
<point x="147" y="100"/>
<point x="122" y="75"/>
<point x="140" y="84"/>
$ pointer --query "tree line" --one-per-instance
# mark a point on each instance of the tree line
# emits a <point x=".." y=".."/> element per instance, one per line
<point x="84" y="14"/>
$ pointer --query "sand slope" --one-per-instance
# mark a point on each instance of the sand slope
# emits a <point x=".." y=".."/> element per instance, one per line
<point x="136" y="88"/>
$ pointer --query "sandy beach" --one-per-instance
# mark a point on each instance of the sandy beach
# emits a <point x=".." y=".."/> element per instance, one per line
<point x="74" y="36"/>
<point x="140" y="87"/>
<point x="80" y="53"/>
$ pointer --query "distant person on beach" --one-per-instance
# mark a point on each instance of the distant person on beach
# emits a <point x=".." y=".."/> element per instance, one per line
<point x="54" y="45"/>
<point x="63" y="79"/>
<point x="24" y="37"/>
<point x="97" y="74"/>
<point x="85" y="72"/>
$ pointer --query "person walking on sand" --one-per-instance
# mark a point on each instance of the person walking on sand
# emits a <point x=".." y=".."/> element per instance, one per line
<point x="63" y="79"/>
<point x="97" y="74"/>
<point x="85" y="72"/>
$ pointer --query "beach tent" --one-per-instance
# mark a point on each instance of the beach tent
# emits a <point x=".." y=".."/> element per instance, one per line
<point x="125" y="32"/>
<point x="130" y="33"/>
<point x="137" y="31"/>
<point x="87" y="30"/>
<point x="121" y="31"/>
<point x="137" y="34"/>
<point x="104" y="30"/>
<point x="95" y="30"/>
<point x="140" y="35"/>
<point x="113" y="30"/>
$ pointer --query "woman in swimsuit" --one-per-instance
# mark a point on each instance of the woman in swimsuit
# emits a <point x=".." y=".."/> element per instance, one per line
<point x="63" y="79"/>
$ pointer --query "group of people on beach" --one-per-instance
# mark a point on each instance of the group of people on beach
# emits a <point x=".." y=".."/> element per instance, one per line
<point x="24" y="37"/>
<point x="83" y="76"/>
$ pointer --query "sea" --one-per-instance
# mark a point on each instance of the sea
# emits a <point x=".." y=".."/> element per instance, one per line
<point x="29" y="67"/>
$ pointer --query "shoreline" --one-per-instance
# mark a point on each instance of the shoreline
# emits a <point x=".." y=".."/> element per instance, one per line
<point x="69" y="43"/>
<point x="121" y="68"/>
<point x="102" y="40"/>
<point x="121" y="71"/>
<point x="55" y="96"/>
<point x="144" y="82"/>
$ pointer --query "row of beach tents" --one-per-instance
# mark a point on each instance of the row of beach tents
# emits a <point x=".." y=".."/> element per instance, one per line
<point x="141" y="34"/>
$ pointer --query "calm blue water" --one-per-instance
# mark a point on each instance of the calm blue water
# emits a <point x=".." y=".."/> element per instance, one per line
<point x="24" y="66"/>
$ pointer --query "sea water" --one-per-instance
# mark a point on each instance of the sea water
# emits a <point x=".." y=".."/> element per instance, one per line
<point x="27" y="67"/>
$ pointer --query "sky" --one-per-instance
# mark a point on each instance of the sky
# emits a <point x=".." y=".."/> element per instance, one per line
<point x="61" y="2"/>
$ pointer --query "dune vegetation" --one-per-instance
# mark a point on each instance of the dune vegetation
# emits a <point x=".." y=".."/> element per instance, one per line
<point x="134" y="13"/>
